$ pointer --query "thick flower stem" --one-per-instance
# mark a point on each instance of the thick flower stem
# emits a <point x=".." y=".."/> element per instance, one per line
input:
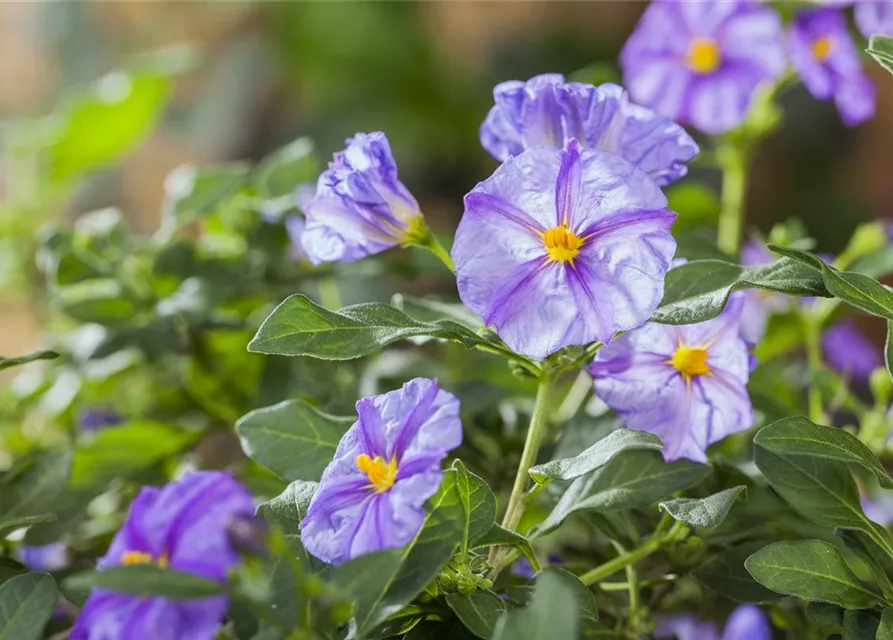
<point x="538" y="424"/>
<point x="652" y="544"/>
<point x="422" y="236"/>
<point x="438" y="250"/>
<point x="734" y="161"/>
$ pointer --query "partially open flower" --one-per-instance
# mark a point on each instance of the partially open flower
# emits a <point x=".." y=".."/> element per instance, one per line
<point x="360" y="207"/>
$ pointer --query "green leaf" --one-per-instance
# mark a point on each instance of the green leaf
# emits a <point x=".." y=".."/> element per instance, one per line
<point x="31" y="490"/>
<point x="384" y="582"/>
<point x="859" y="625"/>
<point x="582" y="593"/>
<point x="880" y="564"/>
<point x="478" y="611"/>
<point x="300" y="327"/>
<point x="478" y="504"/>
<point x="26" y="604"/>
<point x="885" y="629"/>
<point x="704" y="513"/>
<point x="98" y="300"/>
<point x="281" y="173"/>
<point x="289" y="507"/>
<point x="500" y="537"/>
<point x="107" y="120"/>
<point x="698" y="291"/>
<point x="829" y="615"/>
<point x="25" y="521"/>
<point x="821" y="490"/>
<point x="192" y="192"/>
<point x="287" y="600"/>
<point x="146" y="580"/>
<point x="853" y="288"/>
<point x="812" y="570"/>
<point x="293" y="439"/>
<point x="552" y="613"/>
<point x="595" y="456"/>
<point x="800" y="436"/>
<point x="125" y="451"/>
<point x="6" y="363"/>
<point x="881" y="49"/>
<point x="630" y="480"/>
<point x="724" y="573"/>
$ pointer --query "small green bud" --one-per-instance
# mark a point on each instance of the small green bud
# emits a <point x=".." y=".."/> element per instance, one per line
<point x="486" y="583"/>
<point x="341" y="612"/>
<point x="467" y="584"/>
<point x="312" y="586"/>
<point x="881" y="386"/>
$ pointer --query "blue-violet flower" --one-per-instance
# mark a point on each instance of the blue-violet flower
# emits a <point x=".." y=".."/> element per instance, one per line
<point x="360" y="207"/>
<point x="747" y="622"/>
<point x="846" y="350"/>
<point x="48" y="557"/>
<point x="686" y="384"/>
<point x="824" y="55"/>
<point x="702" y="62"/>
<point x="182" y="526"/>
<point x="563" y="247"/>
<point x="546" y="110"/>
<point x="372" y="495"/>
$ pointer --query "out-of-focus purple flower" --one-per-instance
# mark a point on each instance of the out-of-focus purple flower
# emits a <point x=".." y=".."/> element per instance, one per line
<point x="49" y="557"/>
<point x="360" y="207"/>
<point x="686" y="384"/>
<point x="702" y="62"/>
<point x="548" y="111"/>
<point x="96" y="419"/>
<point x="758" y="304"/>
<point x="372" y="495"/>
<point x="846" y="350"/>
<point x="294" y="227"/>
<point x="562" y="247"/>
<point x="747" y="622"/>
<point x="182" y="526"/>
<point x="824" y="55"/>
<point x="878" y="506"/>
<point x="872" y="16"/>
<point x="524" y="569"/>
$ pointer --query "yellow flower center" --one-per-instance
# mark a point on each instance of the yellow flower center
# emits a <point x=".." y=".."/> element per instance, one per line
<point x="822" y="48"/>
<point x="381" y="474"/>
<point x="690" y="361"/>
<point x="562" y="244"/>
<point x="141" y="557"/>
<point x="704" y="55"/>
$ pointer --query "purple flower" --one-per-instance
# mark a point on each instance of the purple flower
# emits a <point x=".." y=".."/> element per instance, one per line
<point x="758" y="304"/>
<point x="294" y="227"/>
<point x="702" y="62"/>
<point x="686" y="384"/>
<point x="360" y="207"/>
<point x="563" y="247"/>
<point x="548" y="111"/>
<point x="872" y="16"/>
<point x="878" y="506"/>
<point x="826" y="58"/>
<point x="182" y="526"/>
<point x="49" y="557"/>
<point x="372" y="495"/>
<point x="96" y="419"/>
<point x="524" y="569"/>
<point x="846" y="350"/>
<point x="747" y="622"/>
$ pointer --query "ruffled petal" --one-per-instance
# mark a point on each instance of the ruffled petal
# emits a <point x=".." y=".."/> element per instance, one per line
<point x="747" y="622"/>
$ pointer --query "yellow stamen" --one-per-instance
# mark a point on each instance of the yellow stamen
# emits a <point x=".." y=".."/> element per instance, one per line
<point x="822" y="48"/>
<point x="563" y="245"/>
<point x="704" y="55"/>
<point x="690" y="361"/>
<point x="381" y="474"/>
<point x="142" y="557"/>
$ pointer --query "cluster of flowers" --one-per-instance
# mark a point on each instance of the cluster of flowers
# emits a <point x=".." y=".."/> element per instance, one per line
<point x="567" y="243"/>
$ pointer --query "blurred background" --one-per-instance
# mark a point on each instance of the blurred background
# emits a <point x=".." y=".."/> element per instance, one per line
<point x="236" y="80"/>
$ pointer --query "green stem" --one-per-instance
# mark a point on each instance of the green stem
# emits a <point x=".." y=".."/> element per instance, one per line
<point x="733" y="160"/>
<point x="652" y="544"/>
<point x="538" y="424"/>
<point x="812" y="336"/>
<point x="422" y="236"/>
<point x="438" y="250"/>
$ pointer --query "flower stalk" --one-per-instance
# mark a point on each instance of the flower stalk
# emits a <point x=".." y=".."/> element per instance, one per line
<point x="734" y="160"/>
<point x="654" y="543"/>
